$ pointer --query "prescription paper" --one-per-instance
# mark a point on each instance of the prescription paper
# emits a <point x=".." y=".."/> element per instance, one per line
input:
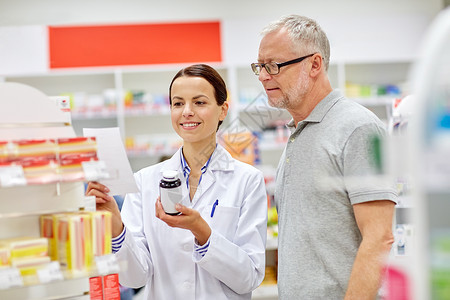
<point x="112" y="151"/>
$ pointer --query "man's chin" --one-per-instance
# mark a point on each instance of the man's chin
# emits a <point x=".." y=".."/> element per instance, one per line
<point x="276" y="103"/>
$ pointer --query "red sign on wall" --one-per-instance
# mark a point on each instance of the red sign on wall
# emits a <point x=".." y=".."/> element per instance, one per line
<point x="141" y="44"/>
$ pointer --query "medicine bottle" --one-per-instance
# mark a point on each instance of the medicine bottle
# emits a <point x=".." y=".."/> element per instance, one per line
<point x="170" y="191"/>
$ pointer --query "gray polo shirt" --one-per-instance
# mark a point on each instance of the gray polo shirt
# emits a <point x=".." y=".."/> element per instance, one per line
<point x="328" y="165"/>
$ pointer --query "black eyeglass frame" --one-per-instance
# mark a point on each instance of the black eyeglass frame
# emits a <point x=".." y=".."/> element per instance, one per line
<point x="279" y="65"/>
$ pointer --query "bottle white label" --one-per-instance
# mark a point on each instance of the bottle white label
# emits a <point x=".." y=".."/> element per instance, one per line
<point x="170" y="197"/>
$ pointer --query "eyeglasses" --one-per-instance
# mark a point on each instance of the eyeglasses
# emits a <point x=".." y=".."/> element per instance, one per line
<point x="273" y="68"/>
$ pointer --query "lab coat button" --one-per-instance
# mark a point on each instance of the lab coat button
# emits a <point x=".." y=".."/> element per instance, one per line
<point x="187" y="247"/>
<point x="292" y="140"/>
<point x="287" y="160"/>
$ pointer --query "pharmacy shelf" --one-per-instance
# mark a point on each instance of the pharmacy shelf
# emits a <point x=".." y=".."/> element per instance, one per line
<point x="68" y="289"/>
<point x="22" y="205"/>
<point x="68" y="286"/>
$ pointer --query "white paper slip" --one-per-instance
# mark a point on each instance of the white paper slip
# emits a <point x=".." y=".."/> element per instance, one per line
<point x="10" y="277"/>
<point x="52" y="272"/>
<point x="111" y="150"/>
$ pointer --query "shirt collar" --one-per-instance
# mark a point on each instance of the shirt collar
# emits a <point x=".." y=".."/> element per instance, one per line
<point x="319" y="112"/>
<point x="187" y="171"/>
<point x="220" y="160"/>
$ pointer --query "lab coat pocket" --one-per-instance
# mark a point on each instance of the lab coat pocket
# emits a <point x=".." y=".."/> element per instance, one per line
<point x="224" y="220"/>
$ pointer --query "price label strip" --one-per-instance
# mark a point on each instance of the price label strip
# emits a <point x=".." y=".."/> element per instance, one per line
<point x="107" y="264"/>
<point x="52" y="272"/>
<point x="10" y="277"/>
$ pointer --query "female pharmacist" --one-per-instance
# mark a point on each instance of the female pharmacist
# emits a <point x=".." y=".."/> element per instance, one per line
<point x="214" y="249"/>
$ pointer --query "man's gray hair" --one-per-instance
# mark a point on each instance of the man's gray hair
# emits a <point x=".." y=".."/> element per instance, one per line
<point x="305" y="33"/>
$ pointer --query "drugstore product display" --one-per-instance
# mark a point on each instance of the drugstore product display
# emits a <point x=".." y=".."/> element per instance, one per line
<point x="51" y="243"/>
<point x="47" y="160"/>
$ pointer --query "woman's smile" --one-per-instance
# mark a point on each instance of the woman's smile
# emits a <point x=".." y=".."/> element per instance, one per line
<point x="190" y="125"/>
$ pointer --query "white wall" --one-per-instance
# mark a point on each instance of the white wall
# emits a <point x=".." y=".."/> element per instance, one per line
<point x="54" y="12"/>
<point x="359" y="30"/>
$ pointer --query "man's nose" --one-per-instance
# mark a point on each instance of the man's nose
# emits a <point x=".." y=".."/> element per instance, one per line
<point x="264" y="75"/>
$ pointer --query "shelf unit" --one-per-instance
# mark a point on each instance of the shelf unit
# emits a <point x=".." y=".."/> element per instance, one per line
<point x="20" y="212"/>
<point x="28" y="114"/>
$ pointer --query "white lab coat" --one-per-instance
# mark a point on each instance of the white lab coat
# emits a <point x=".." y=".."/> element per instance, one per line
<point x="162" y="257"/>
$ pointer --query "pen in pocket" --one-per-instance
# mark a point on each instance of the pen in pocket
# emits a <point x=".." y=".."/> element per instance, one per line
<point x="214" y="207"/>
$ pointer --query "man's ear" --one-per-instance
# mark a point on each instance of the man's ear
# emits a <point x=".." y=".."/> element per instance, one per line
<point x="317" y="65"/>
